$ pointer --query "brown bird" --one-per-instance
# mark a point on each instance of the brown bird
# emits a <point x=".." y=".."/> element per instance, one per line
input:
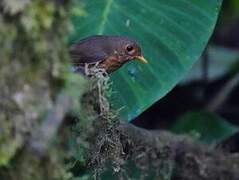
<point x="107" y="52"/>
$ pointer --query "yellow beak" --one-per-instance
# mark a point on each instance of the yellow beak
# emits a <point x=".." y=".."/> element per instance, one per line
<point x="141" y="59"/>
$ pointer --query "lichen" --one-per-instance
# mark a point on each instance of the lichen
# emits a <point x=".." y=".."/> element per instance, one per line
<point x="33" y="55"/>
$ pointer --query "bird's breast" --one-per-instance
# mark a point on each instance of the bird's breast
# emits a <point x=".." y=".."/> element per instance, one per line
<point x="111" y="64"/>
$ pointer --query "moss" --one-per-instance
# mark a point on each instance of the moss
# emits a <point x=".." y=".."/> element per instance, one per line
<point x="27" y="166"/>
<point x="8" y="143"/>
<point x="33" y="56"/>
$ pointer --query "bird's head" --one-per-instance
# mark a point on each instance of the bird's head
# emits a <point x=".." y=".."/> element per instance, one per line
<point x="129" y="49"/>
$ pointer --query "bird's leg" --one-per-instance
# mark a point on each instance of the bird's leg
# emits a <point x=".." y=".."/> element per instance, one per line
<point x="87" y="69"/>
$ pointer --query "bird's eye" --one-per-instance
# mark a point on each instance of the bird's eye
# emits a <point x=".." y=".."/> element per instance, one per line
<point x="129" y="48"/>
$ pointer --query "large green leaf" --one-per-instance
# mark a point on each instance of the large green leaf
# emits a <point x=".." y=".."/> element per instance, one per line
<point x="172" y="33"/>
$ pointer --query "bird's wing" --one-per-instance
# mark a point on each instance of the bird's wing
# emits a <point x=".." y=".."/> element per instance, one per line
<point x="86" y="53"/>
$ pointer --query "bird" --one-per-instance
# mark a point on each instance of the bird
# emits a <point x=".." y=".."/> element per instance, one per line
<point x="109" y="52"/>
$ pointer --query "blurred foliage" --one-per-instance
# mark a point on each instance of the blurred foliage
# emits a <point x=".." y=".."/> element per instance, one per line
<point x="221" y="61"/>
<point x="206" y="126"/>
<point x="33" y="58"/>
<point x="75" y="86"/>
<point x="8" y="147"/>
<point x="172" y="33"/>
<point x="230" y="10"/>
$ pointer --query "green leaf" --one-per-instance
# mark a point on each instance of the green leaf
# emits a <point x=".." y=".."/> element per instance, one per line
<point x="172" y="33"/>
<point x="208" y="126"/>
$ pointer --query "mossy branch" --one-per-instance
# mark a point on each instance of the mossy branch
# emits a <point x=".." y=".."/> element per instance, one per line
<point x="170" y="156"/>
<point x="191" y="160"/>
